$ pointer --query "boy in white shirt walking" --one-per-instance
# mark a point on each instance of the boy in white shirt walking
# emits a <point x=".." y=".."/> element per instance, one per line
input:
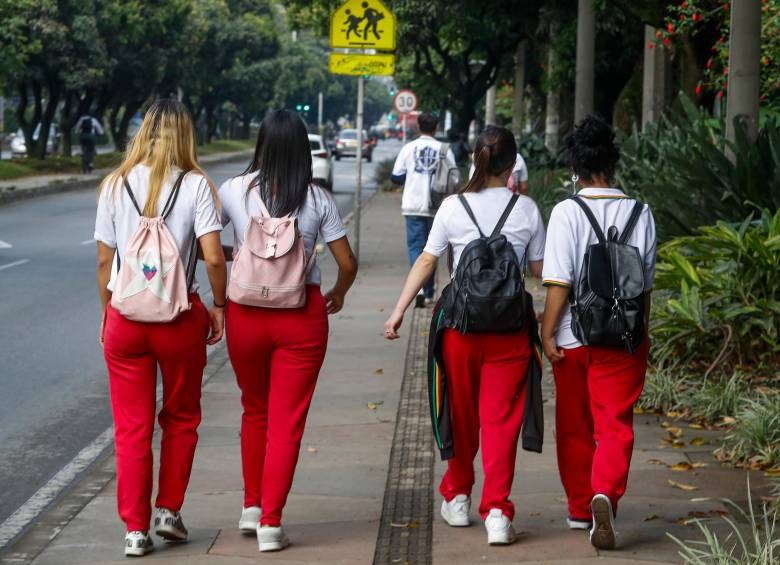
<point x="415" y="167"/>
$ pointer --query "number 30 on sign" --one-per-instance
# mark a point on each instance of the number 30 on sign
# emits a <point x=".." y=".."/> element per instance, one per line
<point x="405" y="101"/>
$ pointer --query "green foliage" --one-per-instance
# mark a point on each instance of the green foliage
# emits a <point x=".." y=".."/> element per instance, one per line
<point x="681" y="166"/>
<point x="547" y="188"/>
<point x="382" y="172"/>
<point x="759" y="545"/>
<point x="720" y="296"/>
<point x="664" y="390"/>
<point x="755" y="439"/>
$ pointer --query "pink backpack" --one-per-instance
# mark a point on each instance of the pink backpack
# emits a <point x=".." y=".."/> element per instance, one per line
<point x="151" y="285"/>
<point x="270" y="269"/>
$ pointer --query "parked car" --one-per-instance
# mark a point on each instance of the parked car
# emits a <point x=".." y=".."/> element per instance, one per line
<point x="346" y="145"/>
<point x="321" y="165"/>
<point x="19" y="144"/>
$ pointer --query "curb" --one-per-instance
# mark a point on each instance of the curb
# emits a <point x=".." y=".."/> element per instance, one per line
<point x="11" y="195"/>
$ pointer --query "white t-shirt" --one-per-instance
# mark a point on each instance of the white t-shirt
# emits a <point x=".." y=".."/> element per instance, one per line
<point x="319" y="215"/>
<point x="569" y="234"/>
<point x="519" y="172"/>
<point x="524" y="227"/>
<point x="195" y="212"/>
<point x="418" y="160"/>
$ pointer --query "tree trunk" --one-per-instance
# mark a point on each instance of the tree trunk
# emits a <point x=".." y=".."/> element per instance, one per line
<point x="490" y="105"/>
<point x="28" y="127"/>
<point x="119" y="125"/>
<point x="586" y="47"/>
<point x="463" y="113"/>
<point x="518" y="113"/>
<point x="655" y="75"/>
<point x="744" y="84"/>
<point x="552" y="111"/>
<point x="246" y="120"/>
<point x="37" y="148"/>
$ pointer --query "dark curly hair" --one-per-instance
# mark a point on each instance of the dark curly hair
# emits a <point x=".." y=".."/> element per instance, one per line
<point x="591" y="149"/>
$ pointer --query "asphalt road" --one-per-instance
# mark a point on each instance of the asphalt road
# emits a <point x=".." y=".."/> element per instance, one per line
<point x="54" y="398"/>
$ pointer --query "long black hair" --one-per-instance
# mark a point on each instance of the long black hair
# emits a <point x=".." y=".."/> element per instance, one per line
<point x="283" y="163"/>
<point x="591" y="149"/>
<point x="494" y="153"/>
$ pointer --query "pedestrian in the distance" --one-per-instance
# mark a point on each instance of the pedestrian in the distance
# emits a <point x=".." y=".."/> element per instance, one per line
<point x="154" y="211"/>
<point x="482" y="335"/>
<point x="518" y="180"/>
<point x="598" y="269"/>
<point x="414" y="168"/>
<point x="277" y="317"/>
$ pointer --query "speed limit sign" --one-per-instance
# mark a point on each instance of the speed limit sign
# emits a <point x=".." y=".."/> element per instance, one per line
<point x="405" y="101"/>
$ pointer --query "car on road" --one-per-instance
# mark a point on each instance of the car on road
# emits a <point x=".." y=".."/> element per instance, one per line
<point x="346" y="145"/>
<point x="19" y="144"/>
<point x="321" y="164"/>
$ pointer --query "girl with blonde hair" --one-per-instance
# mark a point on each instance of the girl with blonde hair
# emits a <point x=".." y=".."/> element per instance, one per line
<point x="152" y="314"/>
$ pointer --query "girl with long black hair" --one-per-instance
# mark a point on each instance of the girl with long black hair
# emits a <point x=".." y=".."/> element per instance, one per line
<point x="277" y="353"/>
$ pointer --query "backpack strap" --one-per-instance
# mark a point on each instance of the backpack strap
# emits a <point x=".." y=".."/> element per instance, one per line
<point x="470" y="212"/>
<point x="173" y="196"/>
<point x="132" y="197"/>
<point x="443" y="149"/>
<point x="636" y="211"/>
<point x="591" y="218"/>
<point x="263" y="209"/>
<point x="502" y="220"/>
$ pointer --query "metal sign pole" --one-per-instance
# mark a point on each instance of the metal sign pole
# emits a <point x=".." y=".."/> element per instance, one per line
<point x="358" y="184"/>
<point x="319" y="113"/>
<point x="403" y="127"/>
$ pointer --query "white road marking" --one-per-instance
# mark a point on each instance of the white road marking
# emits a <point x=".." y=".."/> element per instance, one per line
<point x="5" y="245"/>
<point x="87" y="242"/>
<point x="30" y="510"/>
<point x="14" y="264"/>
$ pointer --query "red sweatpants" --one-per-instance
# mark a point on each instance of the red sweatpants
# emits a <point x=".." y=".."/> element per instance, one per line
<point x="133" y="350"/>
<point x="596" y="389"/>
<point x="276" y="355"/>
<point x="486" y="386"/>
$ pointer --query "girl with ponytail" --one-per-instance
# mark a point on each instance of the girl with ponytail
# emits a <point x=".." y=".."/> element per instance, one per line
<point x="484" y="374"/>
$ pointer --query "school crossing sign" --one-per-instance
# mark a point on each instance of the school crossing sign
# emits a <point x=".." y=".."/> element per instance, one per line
<point x="362" y="24"/>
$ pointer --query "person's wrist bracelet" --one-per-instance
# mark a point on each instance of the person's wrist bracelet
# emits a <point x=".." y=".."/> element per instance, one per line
<point x="220" y="305"/>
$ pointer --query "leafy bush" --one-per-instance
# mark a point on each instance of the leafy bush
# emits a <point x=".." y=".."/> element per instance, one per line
<point x="760" y="547"/>
<point x="719" y="296"/>
<point x="755" y="440"/>
<point x="531" y="146"/>
<point x="547" y="188"/>
<point x="664" y="390"/>
<point x="382" y="171"/>
<point x="681" y="166"/>
<point x="719" y="398"/>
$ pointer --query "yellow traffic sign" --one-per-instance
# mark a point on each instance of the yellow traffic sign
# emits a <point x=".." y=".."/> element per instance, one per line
<point x="356" y="64"/>
<point x="363" y="24"/>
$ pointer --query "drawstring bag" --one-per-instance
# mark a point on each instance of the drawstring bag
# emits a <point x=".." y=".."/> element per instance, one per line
<point x="151" y="285"/>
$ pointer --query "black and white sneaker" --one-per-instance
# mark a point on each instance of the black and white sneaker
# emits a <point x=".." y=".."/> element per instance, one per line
<point x="169" y="525"/>
<point x="602" y="533"/>
<point x="138" y="544"/>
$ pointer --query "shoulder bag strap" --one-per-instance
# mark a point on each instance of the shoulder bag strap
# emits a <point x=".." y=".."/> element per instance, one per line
<point x="443" y="149"/>
<point x="502" y="220"/>
<point x="192" y="262"/>
<point x="591" y="218"/>
<point x="636" y="211"/>
<point x="470" y="212"/>
<point x="173" y="196"/>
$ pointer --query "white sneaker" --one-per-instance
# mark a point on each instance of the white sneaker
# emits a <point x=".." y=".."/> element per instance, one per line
<point x="169" y="525"/>
<point x="499" y="528"/>
<point x="602" y="534"/>
<point x="271" y="538"/>
<point x="250" y="518"/>
<point x="578" y="523"/>
<point x="456" y="511"/>
<point x="138" y="544"/>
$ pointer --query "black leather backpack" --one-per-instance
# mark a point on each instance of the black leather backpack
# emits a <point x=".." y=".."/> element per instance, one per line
<point x="608" y="304"/>
<point x="487" y="293"/>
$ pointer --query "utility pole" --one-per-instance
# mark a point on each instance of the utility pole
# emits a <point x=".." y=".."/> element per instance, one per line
<point x="319" y="112"/>
<point x="586" y="46"/>
<point x="552" y="111"/>
<point x="490" y="106"/>
<point x="358" y="184"/>
<point x="744" y="83"/>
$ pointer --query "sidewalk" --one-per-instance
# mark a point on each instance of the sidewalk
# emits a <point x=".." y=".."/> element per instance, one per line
<point x="365" y="488"/>
<point x="39" y="185"/>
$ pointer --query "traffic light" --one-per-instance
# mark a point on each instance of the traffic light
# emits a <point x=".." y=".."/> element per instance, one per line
<point x="391" y="92"/>
<point x="306" y="108"/>
<point x="298" y="107"/>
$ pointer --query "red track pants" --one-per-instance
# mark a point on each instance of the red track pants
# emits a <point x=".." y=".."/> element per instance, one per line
<point x="276" y="355"/>
<point x="486" y="384"/>
<point x="133" y="351"/>
<point x="596" y="389"/>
